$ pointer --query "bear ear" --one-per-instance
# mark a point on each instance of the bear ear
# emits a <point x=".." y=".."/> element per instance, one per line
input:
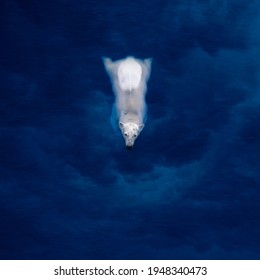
<point x="141" y="126"/>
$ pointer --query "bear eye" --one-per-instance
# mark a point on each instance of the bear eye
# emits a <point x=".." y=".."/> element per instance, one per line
<point x="125" y="134"/>
<point x="135" y="135"/>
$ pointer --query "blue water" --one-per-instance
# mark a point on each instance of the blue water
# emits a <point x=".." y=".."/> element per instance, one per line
<point x="190" y="188"/>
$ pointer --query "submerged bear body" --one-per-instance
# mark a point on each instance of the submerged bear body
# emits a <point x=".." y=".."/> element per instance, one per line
<point x="129" y="78"/>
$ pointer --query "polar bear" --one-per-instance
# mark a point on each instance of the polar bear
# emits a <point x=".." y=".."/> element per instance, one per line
<point x="129" y="78"/>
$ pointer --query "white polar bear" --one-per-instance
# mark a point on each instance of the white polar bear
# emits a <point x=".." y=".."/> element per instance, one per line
<point x="129" y="78"/>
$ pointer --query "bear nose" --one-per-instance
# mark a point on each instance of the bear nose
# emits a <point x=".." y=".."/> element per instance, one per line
<point x="129" y="147"/>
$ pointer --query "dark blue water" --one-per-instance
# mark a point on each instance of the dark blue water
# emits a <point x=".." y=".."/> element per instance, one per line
<point x="190" y="188"/>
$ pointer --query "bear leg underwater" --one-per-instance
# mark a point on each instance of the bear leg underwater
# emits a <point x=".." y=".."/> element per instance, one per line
<point x="129" y="79"/>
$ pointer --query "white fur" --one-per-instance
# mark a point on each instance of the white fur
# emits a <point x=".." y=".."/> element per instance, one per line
<point x="129" y="77"/>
